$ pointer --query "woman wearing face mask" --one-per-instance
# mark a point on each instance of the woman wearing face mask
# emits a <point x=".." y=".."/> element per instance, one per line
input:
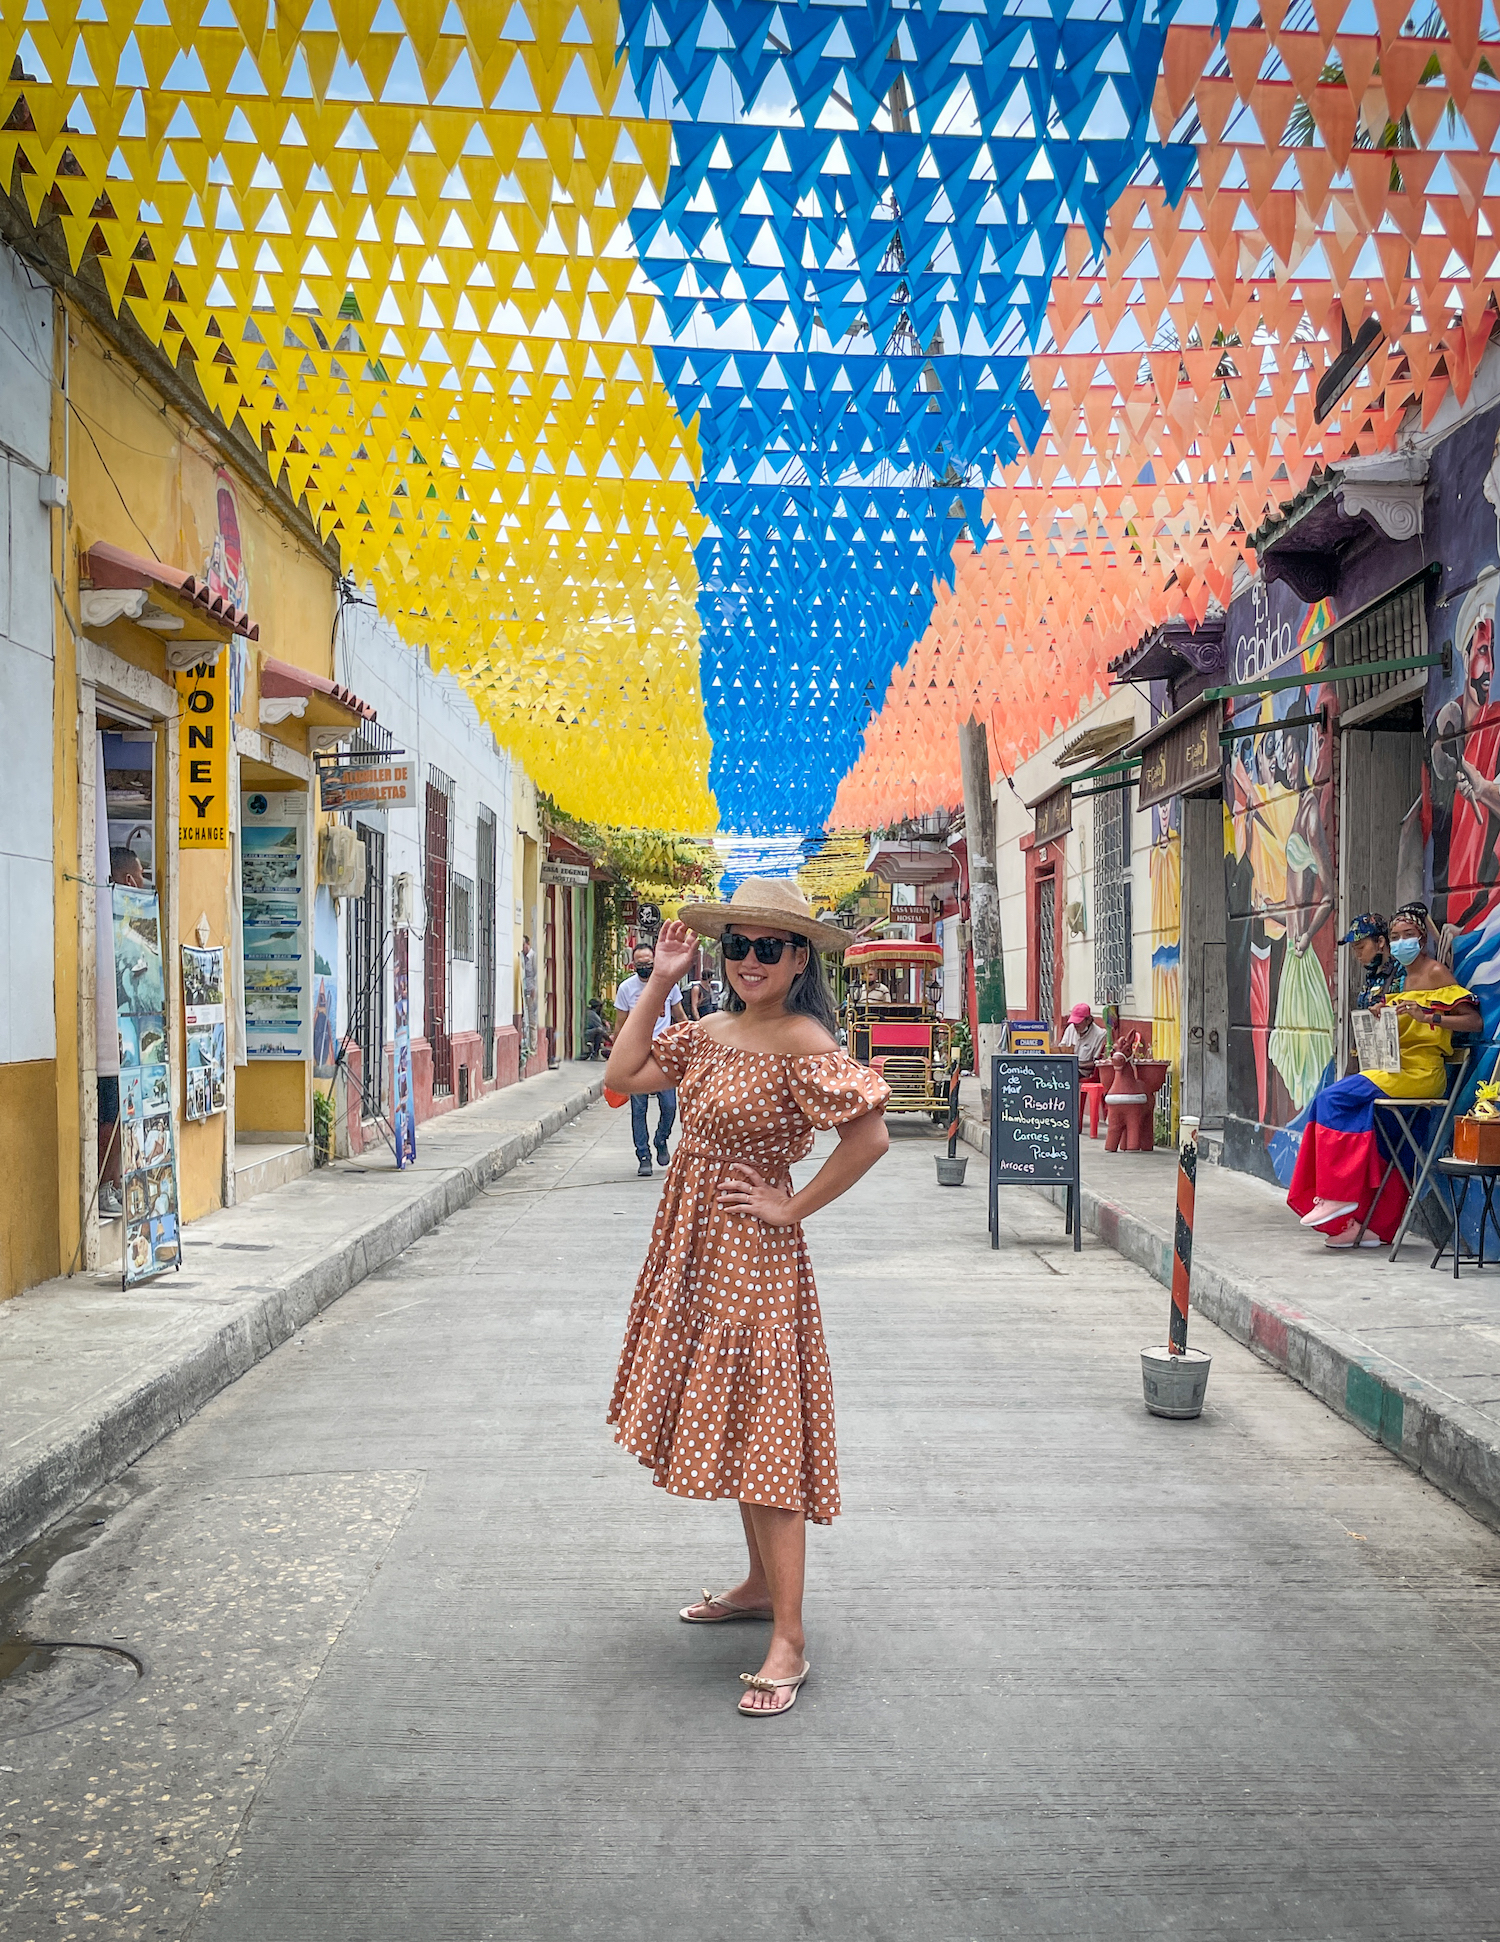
<point x="723" y="1387"/>
<point x="1340" y="1163"/>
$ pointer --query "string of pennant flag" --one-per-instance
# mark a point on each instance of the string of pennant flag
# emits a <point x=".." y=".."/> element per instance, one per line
<point x="736" y="396"/>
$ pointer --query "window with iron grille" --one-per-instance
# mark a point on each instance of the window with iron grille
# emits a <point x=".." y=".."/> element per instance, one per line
<point x="484" y="942"/>
<point x="461" y="915"/>
<point x="437" y="872"/>
<point x="1046" y="945"/>
<point x="1112" y="899"/>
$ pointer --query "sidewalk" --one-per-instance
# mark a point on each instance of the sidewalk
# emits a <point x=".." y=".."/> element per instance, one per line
<point x="91" y="1376"/>
<point x="1403" y="1351"/>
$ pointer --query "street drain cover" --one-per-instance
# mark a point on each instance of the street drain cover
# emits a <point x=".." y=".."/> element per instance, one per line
<point x="52" y="1682"/>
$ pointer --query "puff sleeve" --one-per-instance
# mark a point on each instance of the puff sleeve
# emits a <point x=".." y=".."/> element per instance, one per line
<point x="673" y="1050"/>
<point x="831" y="1089"/>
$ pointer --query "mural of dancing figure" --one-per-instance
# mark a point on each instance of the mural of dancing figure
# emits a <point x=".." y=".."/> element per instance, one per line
<point x="1463" y="797"/>
<point x="1302" y="1042"/>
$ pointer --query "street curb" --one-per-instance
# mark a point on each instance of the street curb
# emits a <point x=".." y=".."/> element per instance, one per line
<point x="83" y="1457"/>
<point x="1447" y="1442"/>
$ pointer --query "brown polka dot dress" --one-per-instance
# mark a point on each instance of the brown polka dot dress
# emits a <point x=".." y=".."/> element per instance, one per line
<point x="724" y="1388"/>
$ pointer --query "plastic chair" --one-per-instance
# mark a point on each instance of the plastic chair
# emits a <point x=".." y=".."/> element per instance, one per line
<point x="1091" y="1094"/>
<point x="1413" y="1155"/>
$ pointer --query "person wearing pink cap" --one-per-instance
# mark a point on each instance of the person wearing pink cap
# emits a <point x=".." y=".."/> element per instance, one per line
<point x="1083" y="1035"/>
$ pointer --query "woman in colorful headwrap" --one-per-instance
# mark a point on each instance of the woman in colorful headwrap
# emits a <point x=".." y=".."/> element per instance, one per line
<point x="1340" y="1164"/>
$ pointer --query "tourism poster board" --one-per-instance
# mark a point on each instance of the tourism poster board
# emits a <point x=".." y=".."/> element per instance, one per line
<point x="203" y="1027"/>
<point x="325" y="984"/>
<point x="151" y="1239"/>
<point x="273" y="903"/>
<point x="404" y="1109"/>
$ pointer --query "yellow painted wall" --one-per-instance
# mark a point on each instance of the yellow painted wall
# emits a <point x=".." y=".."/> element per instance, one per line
<point x="147" y="481"/>
<point x="274" y="1096"/>
<point x="30" y="1232"/>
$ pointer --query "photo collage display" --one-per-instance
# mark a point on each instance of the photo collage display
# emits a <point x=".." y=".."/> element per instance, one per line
<point x="203" y="1023"/>
<point x="148" y="1149"/>
<point x="272" y="892"/>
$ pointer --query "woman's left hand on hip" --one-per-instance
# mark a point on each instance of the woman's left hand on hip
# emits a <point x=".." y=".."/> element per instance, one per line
<point x="744" y="1191"/>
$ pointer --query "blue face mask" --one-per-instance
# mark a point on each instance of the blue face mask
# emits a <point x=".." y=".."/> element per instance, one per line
<point x="1406" y="950"/>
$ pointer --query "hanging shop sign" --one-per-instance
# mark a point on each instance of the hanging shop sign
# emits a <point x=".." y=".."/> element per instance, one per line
<point x="273" y="899"/>
<point x="910" y="913"/>
<point x="148" y="1144"/>
<point x="1181" y="756"/>
<point x="203" y="1028"/>
<point x="575" y="876"/>
<point x="203" y="757"/>
<point x="1054" y="814"/>
<point x="366" y="785"/>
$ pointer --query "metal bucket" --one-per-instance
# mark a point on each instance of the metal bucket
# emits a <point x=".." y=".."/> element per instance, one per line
<point x="1175" y="1384"/>
<point x="951" y="1172"/>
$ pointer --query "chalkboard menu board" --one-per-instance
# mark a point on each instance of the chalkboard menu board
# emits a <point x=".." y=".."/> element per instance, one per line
<point x="1034" y="1129"/>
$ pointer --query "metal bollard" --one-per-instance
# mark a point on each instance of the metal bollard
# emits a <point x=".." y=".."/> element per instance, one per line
<point x="1182" y="1236"/>
<point x="953" y="1111"/>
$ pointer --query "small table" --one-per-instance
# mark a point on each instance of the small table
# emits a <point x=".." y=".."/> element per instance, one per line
<point x="1456" y="1171"/>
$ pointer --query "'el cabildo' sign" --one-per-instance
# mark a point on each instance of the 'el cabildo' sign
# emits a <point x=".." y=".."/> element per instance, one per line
<point x="1263" y="628"/>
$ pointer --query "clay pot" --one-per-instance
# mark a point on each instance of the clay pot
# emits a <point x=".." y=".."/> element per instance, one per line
<point x="1131" y="1102"/>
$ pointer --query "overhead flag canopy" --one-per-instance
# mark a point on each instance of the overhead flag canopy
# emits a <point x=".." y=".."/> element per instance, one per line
<point x="864" y="210"/>
<point x="736" y="395"/>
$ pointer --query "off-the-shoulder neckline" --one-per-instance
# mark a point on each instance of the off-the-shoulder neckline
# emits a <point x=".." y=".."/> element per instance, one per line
<point x="745" y="1052"/>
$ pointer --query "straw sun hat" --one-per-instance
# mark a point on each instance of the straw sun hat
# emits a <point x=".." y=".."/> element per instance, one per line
<point x="768" y="901"/>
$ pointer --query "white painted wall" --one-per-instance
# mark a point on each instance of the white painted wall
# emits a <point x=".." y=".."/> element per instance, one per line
<point x="1037" y="777"/>
<point x="431" y="717"/>
<point x="28" y="1026"/>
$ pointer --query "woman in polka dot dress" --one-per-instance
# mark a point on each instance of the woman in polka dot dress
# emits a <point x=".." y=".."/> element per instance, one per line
<point x="724" y="1388"/>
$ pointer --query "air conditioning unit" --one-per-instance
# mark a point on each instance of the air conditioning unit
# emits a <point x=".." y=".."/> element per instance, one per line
<point x="403" y="901"/>
<point x="341" y="861"/>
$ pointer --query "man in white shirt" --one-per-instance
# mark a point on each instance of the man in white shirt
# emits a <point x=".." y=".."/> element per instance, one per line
<point x="1084" y="1035"/>
<point x="627" y="997"/>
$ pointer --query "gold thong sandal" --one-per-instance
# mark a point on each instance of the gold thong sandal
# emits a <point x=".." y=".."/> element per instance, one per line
<point x="725" y="1612"/>
<point x="759" y="1685"/>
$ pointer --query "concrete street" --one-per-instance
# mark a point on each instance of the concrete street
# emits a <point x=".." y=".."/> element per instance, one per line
<point x="412" y="1668"/>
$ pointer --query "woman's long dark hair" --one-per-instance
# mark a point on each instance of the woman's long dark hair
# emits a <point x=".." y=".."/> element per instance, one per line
<point x="809" y="995"/>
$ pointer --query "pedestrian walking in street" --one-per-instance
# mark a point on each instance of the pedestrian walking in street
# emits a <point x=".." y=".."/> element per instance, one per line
<point x="668" y="1012"/>
<point x="1340" y="1162"/>
<point x="724" y="1387"/>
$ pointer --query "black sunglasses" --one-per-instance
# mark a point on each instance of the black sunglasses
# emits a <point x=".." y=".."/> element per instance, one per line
<point x="767" y="950"/>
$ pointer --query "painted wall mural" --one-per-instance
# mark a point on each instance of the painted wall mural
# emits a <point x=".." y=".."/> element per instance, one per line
<point x="1460" y="813"/>
<point x="1166" y="931"/>
<point x="1279" y="880"/>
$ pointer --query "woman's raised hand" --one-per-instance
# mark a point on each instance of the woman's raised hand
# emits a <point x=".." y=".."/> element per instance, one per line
<point x="675" y="949"/>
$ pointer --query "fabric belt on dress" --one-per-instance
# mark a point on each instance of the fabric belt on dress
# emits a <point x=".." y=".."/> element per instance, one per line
<point x="775" y="1170"/>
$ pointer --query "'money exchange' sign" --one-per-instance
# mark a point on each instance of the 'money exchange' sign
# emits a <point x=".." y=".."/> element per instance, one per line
<point x="203" y="756"/>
